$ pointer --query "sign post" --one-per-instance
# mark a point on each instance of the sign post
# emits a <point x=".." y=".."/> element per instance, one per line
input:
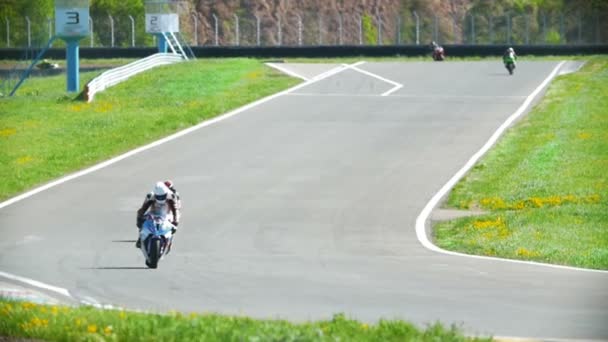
<point x="161" y="17"/>
<point x="71" y="25"/>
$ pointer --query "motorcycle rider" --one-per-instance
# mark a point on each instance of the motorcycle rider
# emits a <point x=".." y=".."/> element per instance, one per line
<point x="438" y="52"/>
<point x="509" y="57"/>
<point x="161" y="201"/>
<point x="169" y="183"/>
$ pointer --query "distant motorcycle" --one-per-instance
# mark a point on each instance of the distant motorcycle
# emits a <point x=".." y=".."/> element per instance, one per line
<point x="156" y="238"/>
<point x="438" y="54"/>
<point x="510" y="66"/>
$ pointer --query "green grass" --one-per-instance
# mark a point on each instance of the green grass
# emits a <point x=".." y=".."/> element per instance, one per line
<point x="545" y="185"/>
<point x="45" y="134"/>
<point x="62" y="323"/>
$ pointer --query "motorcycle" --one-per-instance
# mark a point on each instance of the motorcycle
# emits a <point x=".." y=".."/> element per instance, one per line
<point x="157" y="237"/>
<point x="510" y="66"/>
<point x="438" y="54"/>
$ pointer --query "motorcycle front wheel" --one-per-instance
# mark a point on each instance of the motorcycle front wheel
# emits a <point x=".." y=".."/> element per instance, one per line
<point x="153" y="253"/>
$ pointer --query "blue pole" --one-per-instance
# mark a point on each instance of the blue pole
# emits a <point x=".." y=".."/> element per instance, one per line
<point x="161" y="42"/>
<point x="73" y="65"/>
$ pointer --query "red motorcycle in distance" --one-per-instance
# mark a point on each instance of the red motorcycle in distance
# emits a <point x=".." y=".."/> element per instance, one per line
<point x="438" y="52"/>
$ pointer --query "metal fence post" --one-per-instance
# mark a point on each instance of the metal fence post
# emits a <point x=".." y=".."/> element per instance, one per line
<point x="527" y="24"/>
<point x="562" y="31"/>
<point x="398" y="30"/>
<point x="320" y="29"/>
<point x="508" y="18"/>
<point x="195" y="21"/>
<point x="215" y="26"/>
<point x="597" y="29"/>
<point x="49" y="26"/>
<point x="472" y="28"/>
<point x="237" y="40"/>
<point x="379" y="22"/>
<point x="299" y="29"/>
<point x="29" y="31"/>
<point x="491" y="29"/>
<point x="91" y="30"/>
<point x="132" y="30"/>
<point x="8" y="32"/>
<point x="417" y="28"/>
<point x="111" y="30"/>
<point x="257" y="30"/>
<point x="360" y="30"/>
<point x="340" y="28"/>
<point x="280" y="32"/>
<point x="454" y="29"/>
<point x="435" y="28"/>
<point x="544" y="27"/>
<point x="580" y="27"/>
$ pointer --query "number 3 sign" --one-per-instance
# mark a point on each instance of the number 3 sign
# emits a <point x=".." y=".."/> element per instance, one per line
<point x="71" y="22"/>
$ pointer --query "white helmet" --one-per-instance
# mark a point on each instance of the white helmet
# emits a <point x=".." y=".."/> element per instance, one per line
<point x="510" y="49"/>
<point x="160" y="192"/>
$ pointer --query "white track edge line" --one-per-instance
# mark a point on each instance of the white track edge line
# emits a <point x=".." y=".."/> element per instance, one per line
<point x="36" y="283"/>
<point x="166" y="139"/>
<point x="287" y="71"/>
<point x="426" y="212"/>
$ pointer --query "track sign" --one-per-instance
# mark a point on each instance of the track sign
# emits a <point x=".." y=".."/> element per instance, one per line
<point x="165" y="22"/>
<point x="71" y="18"/>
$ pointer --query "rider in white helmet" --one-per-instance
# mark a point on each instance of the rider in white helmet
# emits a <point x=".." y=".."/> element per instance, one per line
<point x="161" y="201"/>
<point x="509" y="56"/>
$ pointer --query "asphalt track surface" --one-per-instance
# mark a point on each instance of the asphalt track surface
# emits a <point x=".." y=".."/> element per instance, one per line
<point x="305" y="205"/>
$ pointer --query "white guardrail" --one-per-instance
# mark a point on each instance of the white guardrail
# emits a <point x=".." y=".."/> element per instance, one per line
<point x="117" y="75"/>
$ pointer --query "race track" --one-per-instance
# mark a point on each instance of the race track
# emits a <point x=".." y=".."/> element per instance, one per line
<point x="305" y="205"/>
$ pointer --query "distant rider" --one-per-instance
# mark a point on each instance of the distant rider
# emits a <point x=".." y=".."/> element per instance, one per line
<point x="509" y="57"/>
<point x="161" y="201"/>
<point x="438" y="52"/>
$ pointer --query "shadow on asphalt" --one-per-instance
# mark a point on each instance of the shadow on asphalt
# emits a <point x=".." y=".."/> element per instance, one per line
<point x="115" y="268"/>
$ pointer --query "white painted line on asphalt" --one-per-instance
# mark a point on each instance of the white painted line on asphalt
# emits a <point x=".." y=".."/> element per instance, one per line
<point x="169" y="138"/>
<point x="287" y="71"/>
<point x="396" y="87"/>
<point x="36" y="283"/>
<point x="424" y="215"/>
<point x="413" y="96"/>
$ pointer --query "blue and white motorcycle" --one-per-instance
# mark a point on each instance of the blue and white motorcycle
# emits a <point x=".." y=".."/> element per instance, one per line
<point x="156" y="238"/>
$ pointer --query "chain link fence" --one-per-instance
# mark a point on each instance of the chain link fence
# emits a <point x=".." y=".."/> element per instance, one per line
<point x="311" y="28"/>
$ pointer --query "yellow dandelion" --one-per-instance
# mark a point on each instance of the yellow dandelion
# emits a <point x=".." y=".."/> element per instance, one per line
<point x="107" y="330"/>
<point x="28" y="305"/>
<point x="92" y="328"/>
<point x="24" y="160"/>
<point x="43" y="309"/>
<point x="7" y="132"/>
<point x="78" y="322"/>
<point x="122" y="315"/>
<point x="493" y="203"/>
<point x="54" y="310"/>
<point x="36" y="322"/>
<point x="523" y="252"/>
<point x="537" y="202"/>
<point x="364" y="326"/>
<point x="584" y="135"/>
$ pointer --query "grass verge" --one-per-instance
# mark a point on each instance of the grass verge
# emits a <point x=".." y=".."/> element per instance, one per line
<point x="62" y="323"/>
<point x="544" y="185"/>
<point x="45" y="134"/>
